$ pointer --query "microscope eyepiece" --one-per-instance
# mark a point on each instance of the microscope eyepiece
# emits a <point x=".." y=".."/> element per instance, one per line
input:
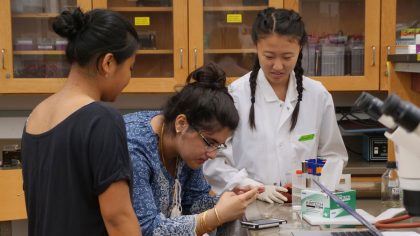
<point x="404" y="114"/>
<point x="370" y="105"/>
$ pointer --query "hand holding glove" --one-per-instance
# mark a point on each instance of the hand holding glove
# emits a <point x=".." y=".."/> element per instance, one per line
<point x="273" y="194"/>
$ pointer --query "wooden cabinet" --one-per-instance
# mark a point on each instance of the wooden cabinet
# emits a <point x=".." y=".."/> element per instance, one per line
<point x="162" y="61"/>
<point x="177" y="37"/>
<point x="343" y="51"/>
<point x="398" y="16"/>
<point x="220" y="32"/>
<point x="12" y="198"/>
<point x="346" y="51"/>
<point x="32" y="55"/>
<point x="33" y="60"/>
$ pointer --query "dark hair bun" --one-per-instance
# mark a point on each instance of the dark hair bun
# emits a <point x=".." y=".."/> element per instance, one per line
<point x="209" y="76"/>
<point x="68" y="24"/>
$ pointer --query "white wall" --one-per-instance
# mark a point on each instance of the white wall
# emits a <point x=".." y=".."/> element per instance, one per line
<point x="14" y="109"/>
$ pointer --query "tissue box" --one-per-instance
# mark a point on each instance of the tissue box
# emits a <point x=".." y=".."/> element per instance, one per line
<point x="318" y="203"/>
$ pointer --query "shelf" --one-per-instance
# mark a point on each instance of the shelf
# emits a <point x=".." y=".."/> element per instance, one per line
<point x="358" y="166"/>
<point x="361" y="126"/>
<point x="61" y="52"/>
<point x="230" y="51"/>
<point x="407" y="58"/>
<point x="34" y="15"/>
<point x="39" y="52"/>
<point x="155" y="51"/>
<point x="141" y="9"/>
<point x="407" y="67"/>
<point x="235" y="8"/>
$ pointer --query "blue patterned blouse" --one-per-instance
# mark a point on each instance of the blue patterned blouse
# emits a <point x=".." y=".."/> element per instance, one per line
<point x="153" y="186"/>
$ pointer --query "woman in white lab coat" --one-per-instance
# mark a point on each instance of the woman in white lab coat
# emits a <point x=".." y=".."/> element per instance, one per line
<point x="285" y="117"/>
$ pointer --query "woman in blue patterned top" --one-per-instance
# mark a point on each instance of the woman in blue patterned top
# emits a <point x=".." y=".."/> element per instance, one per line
<point x="168" y="149"/>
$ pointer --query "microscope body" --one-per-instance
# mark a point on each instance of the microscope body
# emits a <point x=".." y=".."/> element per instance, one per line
<point x="406" y="138"/>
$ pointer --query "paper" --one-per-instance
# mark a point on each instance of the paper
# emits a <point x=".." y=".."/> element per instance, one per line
<point x="142" y="21"/>
<point x="389" y="213"/>
<point x="400" y="233"/>
<point x="234" y="18"/>
<point x="236" y="180"/>
<point x="331" y="173"/>
<point x="342" y="220"/>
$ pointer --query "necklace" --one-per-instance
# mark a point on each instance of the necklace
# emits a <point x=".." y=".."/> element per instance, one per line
<point x="161" y="145"/>
<point x="162" y="156"/>
<point x="176" y="209"/>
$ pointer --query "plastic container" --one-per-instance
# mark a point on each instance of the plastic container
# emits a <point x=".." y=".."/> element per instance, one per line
<point x="390" y="186"/>
<point x="45" y="44"/>
<point x="147" y="39"/>
<point x="24" y="44"/>
<point x="297" y="186"/>
<point x="60" y="44"/>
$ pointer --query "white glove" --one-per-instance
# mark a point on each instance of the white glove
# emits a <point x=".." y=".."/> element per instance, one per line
<point x="272" y="194"/>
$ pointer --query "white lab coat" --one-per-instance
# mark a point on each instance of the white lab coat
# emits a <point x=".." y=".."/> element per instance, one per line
<point x="269" y="154"/>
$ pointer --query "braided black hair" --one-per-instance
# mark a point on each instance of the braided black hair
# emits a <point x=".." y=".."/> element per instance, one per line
<point x="283" y="22"/>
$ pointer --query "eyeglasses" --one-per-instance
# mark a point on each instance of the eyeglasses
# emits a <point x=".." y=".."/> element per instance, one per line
<point x="210" y="146"/>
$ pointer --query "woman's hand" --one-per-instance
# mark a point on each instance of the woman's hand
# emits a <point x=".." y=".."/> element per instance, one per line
<point x="232" y="206"/>
<point x="244" y="189"/>
<point x="273" y="194"/>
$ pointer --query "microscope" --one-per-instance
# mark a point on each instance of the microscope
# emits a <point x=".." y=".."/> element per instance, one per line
<point x="402" y="120"/>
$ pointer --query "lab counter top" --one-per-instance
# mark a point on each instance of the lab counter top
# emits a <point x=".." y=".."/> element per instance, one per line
<point x="362" y="167"/>
<point x="258" y="210"/>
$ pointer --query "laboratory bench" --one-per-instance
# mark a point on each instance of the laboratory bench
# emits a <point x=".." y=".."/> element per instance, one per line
<point x="260" y="210"/>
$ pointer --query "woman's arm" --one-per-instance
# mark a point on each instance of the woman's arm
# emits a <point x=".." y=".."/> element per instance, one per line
<point x="148" y="210"/>
<point x="196" y="197"/>
<point x="331" y="143"/>
<point x="117" y="211"/>
<point x="221" y="172"/>
<point x="229" y="207"/>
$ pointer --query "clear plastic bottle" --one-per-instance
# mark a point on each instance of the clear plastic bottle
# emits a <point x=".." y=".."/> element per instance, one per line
<point x="390" y="188"/>
<point x="297" y="186"/>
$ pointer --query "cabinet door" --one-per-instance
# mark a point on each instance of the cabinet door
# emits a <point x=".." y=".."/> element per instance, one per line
<point x="399" y="18"/>
<point x="162" y="61"/>
<point x="220" y="32"/>
<point x="343" y="44"/>
<point x="12" y="198"/>
<point x="400" y="22"/>
<point x="32" y="55"/>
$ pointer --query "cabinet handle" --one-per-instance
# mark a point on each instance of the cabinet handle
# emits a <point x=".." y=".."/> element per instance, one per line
<point x="180" y="57"/>
<point x="317" y="63"/>
<point x="2" y="58"/>
<point x="373" y="55"/>
<point x="195" y="58"/>
<point x="388" y="51"/>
